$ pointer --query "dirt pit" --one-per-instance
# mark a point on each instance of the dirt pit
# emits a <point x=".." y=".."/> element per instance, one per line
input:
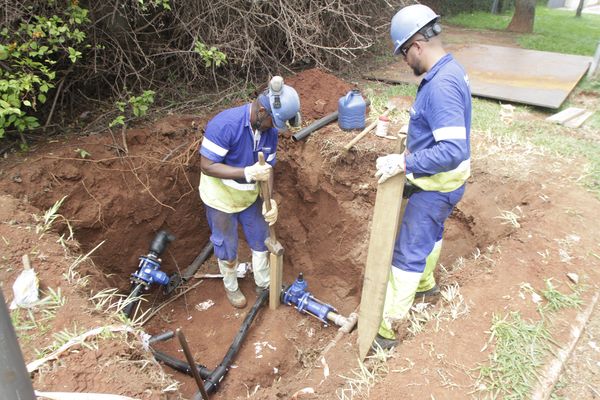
<point x="326" y="203"/>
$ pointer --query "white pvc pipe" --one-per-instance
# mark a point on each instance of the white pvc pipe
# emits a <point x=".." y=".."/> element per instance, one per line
<point x="595" y="63"/>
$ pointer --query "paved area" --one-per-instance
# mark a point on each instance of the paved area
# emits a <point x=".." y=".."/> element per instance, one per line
<point x="587" y="10"/>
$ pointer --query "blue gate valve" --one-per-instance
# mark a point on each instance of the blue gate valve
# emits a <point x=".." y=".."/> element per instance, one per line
<point x="296" y="295"/>
<point x="148" y="271"/>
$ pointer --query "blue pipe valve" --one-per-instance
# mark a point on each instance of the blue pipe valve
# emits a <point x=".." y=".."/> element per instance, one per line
<point x="296" y="295"/>
<point x="149" y="272"/>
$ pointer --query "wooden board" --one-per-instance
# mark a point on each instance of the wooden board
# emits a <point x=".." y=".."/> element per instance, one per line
<point x="386" y="219"/>
<point x="276" y="264"/>
<point x="565" y="115"/>
<point x="576" y="122"/>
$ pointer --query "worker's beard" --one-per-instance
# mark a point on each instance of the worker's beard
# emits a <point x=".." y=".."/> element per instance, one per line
<point x="418" y="70"/>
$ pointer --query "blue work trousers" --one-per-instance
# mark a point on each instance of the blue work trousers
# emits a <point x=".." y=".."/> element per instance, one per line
<point x="422" y="226"/>
<point x="224" y="230"/>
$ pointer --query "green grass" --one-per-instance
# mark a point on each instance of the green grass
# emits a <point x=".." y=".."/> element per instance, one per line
<point x="35" y="322"/>
<point x="557" y="300"/>
<point x="554" y="30"/>
<point x="556" y="139"/>
<point x="520" y="349"/>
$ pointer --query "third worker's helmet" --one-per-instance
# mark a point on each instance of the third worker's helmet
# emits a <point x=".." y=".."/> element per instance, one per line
<point x="410" y="20"/>
<point x="282" y="103"/>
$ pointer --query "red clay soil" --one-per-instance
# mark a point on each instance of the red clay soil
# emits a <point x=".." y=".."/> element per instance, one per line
<point x="326" y="202"/>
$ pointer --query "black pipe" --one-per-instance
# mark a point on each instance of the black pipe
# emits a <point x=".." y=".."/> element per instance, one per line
<point x="161" y="337"/>
<point x="133" y="298"/>
<point x="219" y="373"/>
<point x="176" y="280"/>
<point x="14" y="378"/>
<point x="318" y="124"/>
<point x="180" y="365"/>
<point x="198" y="261"/>
<point x="214" y="377"/>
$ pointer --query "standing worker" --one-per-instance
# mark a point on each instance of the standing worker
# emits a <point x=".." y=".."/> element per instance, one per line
<point x="436" y="162"/>
<point x="230" y="172"/>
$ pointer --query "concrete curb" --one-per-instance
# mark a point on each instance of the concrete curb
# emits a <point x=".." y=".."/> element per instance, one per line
<point x="551" y="373"/>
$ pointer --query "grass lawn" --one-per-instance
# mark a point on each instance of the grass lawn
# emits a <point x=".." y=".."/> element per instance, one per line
<point x="554" y="30"/>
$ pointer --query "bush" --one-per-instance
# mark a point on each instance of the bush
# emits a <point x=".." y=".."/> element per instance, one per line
<point x="38" y="44"/>
<point x="62" y="51"/>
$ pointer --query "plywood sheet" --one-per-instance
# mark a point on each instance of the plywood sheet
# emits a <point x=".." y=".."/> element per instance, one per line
<point x="533" y="77"/>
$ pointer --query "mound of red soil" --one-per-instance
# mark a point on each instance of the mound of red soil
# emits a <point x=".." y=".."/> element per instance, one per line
<point x="319" y="92"/>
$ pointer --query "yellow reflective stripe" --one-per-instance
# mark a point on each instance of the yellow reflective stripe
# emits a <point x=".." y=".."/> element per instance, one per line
<point x="399" y="296"/>
<point x="214" y="193"/>
<point x="444" y="181"/>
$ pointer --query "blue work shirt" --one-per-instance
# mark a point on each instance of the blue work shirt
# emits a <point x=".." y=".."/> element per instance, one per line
<point x="438" y="143"/>
<point x="229" y="139"/>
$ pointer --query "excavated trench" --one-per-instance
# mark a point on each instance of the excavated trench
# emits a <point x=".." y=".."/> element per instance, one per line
<point x="326" y="204"/>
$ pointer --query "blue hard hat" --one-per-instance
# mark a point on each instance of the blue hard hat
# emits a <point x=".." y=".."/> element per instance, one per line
<point x="282" y="103"/>
<point x="409" y="21"/>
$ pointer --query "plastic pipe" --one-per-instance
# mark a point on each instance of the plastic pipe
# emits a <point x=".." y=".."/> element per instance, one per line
<point x="161" y="337"/>
<point x="204" y="254"/>
<point x="214" y="377"/>
<point x="318" y="124"/>
<point x="14" y="379"/>
<point x="211" y="383"/>
<point x="180" y="365"/>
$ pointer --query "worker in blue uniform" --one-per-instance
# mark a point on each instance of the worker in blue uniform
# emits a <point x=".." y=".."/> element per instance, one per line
<point x="230" y="172"/>
<point x="436" y="161"/>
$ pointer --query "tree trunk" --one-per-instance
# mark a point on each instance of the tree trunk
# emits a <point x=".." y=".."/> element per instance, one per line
<point x="522" y="20"/>
<point x="579" y="8"/>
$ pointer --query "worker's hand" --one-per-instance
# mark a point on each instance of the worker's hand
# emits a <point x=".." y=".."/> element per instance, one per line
<point x="388" y="166"/>
<point x="257" y="172"/>
<point x="271" y="215"/>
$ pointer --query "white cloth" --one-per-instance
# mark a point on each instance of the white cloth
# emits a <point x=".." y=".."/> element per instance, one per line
<point x="229" y="271"/>
<point x="25" y="290"/>
<point x="388" y="166"/>
<point x="260" y="266"/>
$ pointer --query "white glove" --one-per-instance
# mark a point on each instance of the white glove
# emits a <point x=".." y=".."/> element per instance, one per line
<point x="388" y="166"/>
<point x="257" y="172"/>
<point x="271" y="215"/>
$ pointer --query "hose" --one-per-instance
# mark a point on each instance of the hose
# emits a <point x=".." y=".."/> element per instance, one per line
<point x="132" y="299"/>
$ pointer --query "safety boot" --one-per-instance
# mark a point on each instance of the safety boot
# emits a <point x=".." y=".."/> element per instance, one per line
<point x="232" y="290"/>
<point x="383" y="343"/>
<point x="428" y="296"/>
<point x="259" y="289"/>
<point x="236" y="298"/>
